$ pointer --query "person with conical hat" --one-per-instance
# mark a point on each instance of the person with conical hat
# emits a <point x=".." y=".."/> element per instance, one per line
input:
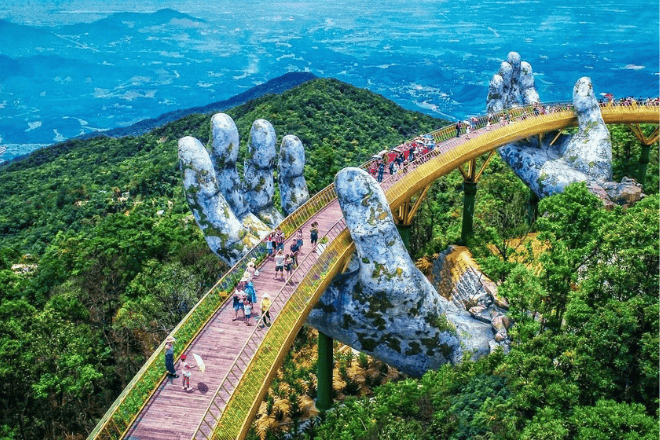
<point x="169" y="357"/>
<point x="265" y="312"/>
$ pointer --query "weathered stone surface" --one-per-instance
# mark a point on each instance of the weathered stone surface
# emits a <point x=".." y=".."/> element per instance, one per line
<point x="383" y="305"/>
<point x="456" y="276"/>
<point x="512" y="86"/>
<point x="626" y="193"/>
<point x="223" y="231"/>
<point x="291" y="178"/>
<point x="590" y="149"/>
<point x="258" y="172"/>
<point x="220" y="202"/>
<point x="224" y="155"/>
<point x="586" y="156"/>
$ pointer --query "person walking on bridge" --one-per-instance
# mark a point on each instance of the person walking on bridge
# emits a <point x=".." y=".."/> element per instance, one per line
<point x="279" y="264"/>
<point x="265" y="312"/>
<point x="169" y="357"/>
<point x="314" y="235"/>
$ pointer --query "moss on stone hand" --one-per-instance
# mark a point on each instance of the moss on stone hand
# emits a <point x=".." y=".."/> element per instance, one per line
<point x="442" y="323"/>
<point x="414" y="348"/>
<point x="348" y="321"/>
<point x="446" y="350"/>
<point x="392" y="342"/>
<point x="366" y="343"/>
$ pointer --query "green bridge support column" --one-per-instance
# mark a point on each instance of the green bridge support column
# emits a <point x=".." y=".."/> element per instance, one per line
<point x="324" y="373"/>
<point x="469" y="191"/>
<point x="404" y="232"/>
<point x="532" y="207"/>
<point x="643" y="162"/>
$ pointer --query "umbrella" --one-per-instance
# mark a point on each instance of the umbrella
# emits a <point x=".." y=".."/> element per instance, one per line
<point x="200" y="363"/>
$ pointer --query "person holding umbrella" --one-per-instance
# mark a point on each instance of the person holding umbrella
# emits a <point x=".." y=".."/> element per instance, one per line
<point x="187" y="373"/>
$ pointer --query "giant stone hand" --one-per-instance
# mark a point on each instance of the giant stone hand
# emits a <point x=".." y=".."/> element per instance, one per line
<point x="383" y="305"/>
<point x="512" y="86"/>
<point x="234" y="216"/>
<point x="547" y="169"/>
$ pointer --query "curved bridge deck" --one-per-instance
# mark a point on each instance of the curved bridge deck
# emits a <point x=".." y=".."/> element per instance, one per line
<point x="241" y="360"/>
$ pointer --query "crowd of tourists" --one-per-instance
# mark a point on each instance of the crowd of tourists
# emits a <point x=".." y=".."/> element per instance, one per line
<point x="286" y="261"/>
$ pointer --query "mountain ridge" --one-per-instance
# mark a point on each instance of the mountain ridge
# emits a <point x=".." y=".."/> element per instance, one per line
<point x="274" y="86"/>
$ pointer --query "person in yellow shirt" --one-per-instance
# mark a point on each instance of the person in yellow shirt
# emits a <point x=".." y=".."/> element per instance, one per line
<point x="265" y="313"/>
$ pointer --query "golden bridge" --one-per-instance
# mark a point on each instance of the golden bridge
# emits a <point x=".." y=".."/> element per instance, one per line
<point x="242" y="361"/>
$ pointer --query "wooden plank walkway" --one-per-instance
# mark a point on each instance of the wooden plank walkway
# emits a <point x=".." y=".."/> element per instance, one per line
<point x="173" y="413"/>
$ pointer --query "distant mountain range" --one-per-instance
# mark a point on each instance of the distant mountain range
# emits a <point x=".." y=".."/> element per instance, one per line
<point x="274" y="86"/>
<point x="68" y="71"/>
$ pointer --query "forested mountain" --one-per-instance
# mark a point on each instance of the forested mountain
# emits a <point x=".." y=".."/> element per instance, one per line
<point x="107" y="259"/>
<point x="111" y="258"/>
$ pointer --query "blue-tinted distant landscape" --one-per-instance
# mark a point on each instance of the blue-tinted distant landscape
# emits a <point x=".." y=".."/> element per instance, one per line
<point x="70" y="68"/>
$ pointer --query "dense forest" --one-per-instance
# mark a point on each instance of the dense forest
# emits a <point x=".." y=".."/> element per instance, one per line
<point x="100" y="259"/>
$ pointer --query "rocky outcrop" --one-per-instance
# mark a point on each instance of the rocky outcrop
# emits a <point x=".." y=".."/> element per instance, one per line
<point x="258" y="172"/>
<point x="383" y="305"/>
<point x="291" y="178"/>
<point x="455" y="276"/>
<point x="625" y="193"/>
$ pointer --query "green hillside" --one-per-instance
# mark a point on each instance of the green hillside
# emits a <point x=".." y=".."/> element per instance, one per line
<point x="108" y="274"/>
<point x="112" y="260"/>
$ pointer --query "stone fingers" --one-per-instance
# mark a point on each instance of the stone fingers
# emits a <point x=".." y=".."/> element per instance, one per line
<point x="222" y="230"/>
<point x="258" y="172"/>
<point x="224" y="155"/>
<point x="512" y="86"/>
<point x="383" y="304"/>
<point x="590" y="149"/>
<point x="291" y="178"/>
<point x="583" y="157"/>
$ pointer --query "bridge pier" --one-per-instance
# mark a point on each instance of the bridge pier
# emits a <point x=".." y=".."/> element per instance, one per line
<point x="404" y="232"/>
<point x="324" y="366"/>
<point x="471" y="177"/>
<point x="532" y="207"/>
<point x="643" y="163"/>
<point x="469" y="192"/>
